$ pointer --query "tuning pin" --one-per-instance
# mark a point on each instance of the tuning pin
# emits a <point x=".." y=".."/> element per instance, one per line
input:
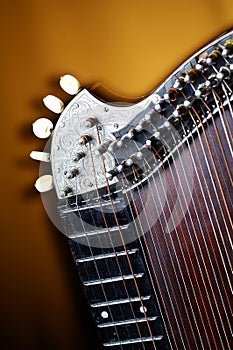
<point x="78" y="156"/>
<point x="70" y="84"/>
<point x="44" y="183"/>
<point x="139" y="155"/>
<point x="119" y="168"/>
<point x="65" y="191"/>
<point x="42" y="128"/>
<point x="129" y="162"/>
<point x="90" y="122"/>
<point x="70" y="174"/>
<point x="138" y="128"/>
<point x="148" y="143"/>
<point x="110" y="174"/>
<point x="53" y="103"/>
<point x="41" y="156"/>
<point x="84" y="139"/>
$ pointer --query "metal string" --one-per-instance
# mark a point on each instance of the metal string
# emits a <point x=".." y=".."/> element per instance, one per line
<point x="160" y="264"/>
<point x="127" y="255"/>
<point x="210" y="199"/>
<point x="95" y="264"/>
<point x="169" y="254"/>
<point x="183" y="255"/>
<point x="214" y="232"/>
<point x="210" y="258"/>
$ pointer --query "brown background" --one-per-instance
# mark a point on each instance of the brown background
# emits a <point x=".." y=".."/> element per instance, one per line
<point x="129" y="46"/>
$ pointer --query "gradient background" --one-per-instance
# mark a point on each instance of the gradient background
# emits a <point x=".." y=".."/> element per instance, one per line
<point x="128" y="46"/>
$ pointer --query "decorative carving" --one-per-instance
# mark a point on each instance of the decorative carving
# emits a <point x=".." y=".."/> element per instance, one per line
<point x="72" y="125"/>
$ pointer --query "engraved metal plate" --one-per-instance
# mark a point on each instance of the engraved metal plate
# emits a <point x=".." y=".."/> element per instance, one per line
<point x="72" y="125"/>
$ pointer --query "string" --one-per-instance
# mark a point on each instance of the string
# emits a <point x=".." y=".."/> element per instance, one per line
<point x="206" y="205"/>
<point x="141" y="227"/>
<point x="165" y="279"/>
<point x="126" y="251"/>
<point x="215" y="258"/>
<point x="128" y="258"/>
<point x="187" y="269"/>
<point x="95" y="264"/>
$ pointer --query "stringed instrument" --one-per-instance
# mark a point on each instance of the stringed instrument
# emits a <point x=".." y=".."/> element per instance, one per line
<point x="144" y="195"/>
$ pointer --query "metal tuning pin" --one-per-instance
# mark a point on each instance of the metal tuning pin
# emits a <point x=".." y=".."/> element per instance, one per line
<point x="78" y="156"/>
<point x="41" y="156"/>
<point x="138" y="128"/>
<point x="90" y="122"/>
<point x="129" y="162"/>
<point x="44" y="183"/>
<point x="84" y="139"/>
<point x="53" y="103"/>
<point x="69" y="84"/>
<point x="65" y="191"/>
<point x="110" y="174"/>
<point x="70" y="174"/>
<point x="42" y="128"/>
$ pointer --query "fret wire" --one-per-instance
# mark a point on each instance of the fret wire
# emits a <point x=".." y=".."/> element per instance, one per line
<point x="102" y="286"/>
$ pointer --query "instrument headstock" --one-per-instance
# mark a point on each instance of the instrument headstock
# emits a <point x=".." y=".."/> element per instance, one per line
<point x="95" y="143"/>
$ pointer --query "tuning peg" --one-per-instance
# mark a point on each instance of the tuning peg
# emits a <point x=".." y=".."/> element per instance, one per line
<point x="41" y="156"/>
<point x="53" y="103"/>
<point x="70" y="84"/>
<point x="44" y="183"/>
<point x="42" y="128"/>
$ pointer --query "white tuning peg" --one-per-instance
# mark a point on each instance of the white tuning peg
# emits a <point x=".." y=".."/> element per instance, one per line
<point x="41" y="156"/>
<point x="42" y="128"/>
<point x="44" y="183"/>
<point x="53" y="103"/>
<point x="70" y="84"/>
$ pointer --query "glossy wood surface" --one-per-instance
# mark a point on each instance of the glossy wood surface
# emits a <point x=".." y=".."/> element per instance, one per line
<point x="127" y="46"/>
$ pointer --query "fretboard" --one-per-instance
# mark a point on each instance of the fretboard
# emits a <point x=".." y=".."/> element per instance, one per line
<point x="118" y="287"/>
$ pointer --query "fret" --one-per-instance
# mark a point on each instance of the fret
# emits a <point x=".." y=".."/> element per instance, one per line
<point x="109" y="264"/>
<point x="113" y="279"/>
<point x="120" y="301"/>
<point x="116" y="305"/>
<point x="107" y="256"/>
<point x="126" y="322"/>
<point x="93" y="205"/>
<point x="134" y="341"/>
<point x="109" y="230"/>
